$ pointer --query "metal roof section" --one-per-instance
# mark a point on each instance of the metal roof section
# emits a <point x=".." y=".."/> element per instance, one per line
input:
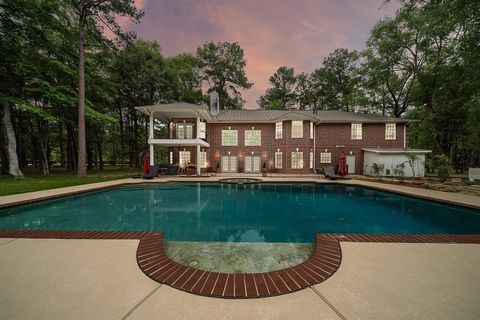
<point x="396" y="150"/>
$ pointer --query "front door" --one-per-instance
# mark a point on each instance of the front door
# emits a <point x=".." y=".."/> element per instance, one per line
<point x="252" y="164"/>
<point x="229" y="164"/>
<point x="351" y="163"/>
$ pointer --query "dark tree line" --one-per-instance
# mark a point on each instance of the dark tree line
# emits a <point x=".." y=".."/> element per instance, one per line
<point x="57" y="66"/>
<point x="423" y="63"/>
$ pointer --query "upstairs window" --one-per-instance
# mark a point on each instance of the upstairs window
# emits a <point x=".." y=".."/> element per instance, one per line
<point x="311" y="130"/>
<point x="229" y="137"/>
<point x="297" y="129"/>
<point x="278" y="130"/>
<point x="184" y="131"/>
<point x="390" y="131"/>
<point x="203" y="130"/>
<point x="253" y="137"/>
<point x="356" y="131"/>
<point x="297" y="160"/>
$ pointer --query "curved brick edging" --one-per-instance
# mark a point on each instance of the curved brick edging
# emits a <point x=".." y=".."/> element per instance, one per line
<point x="323" y="263"/>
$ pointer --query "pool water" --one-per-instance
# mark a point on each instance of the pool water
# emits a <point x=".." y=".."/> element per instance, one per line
<point x="215" y="212"/>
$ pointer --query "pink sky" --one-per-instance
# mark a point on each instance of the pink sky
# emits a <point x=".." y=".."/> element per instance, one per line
<point x="296" y="34"/>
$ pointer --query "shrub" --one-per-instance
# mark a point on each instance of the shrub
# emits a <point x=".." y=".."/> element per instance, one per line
<point x="442" y="164"/>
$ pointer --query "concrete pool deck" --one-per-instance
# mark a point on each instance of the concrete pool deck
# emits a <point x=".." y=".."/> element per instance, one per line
<point x="100" y="279"/>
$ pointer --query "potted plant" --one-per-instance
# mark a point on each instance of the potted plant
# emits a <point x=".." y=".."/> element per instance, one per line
<point x="264" y="170"/>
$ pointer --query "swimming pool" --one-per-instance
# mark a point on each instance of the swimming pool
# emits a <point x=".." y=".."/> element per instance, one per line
<point x="263" y="212"/>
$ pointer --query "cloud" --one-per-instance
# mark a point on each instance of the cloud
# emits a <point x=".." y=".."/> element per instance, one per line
<point x="272" y="33"/>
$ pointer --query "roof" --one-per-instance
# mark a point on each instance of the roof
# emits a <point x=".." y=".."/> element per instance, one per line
<point x="321" y="116"/>
<point x="396" y="150"/>
<point x="165" y="112"/>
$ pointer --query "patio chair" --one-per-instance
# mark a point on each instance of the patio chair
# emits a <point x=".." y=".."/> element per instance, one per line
<point x="152" y="173"/>
<point x="330" y="174"/>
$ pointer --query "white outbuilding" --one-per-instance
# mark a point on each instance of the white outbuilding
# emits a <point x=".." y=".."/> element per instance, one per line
<point x="390" y="161"/>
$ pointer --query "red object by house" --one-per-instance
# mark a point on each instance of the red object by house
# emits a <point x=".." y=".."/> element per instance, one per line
<point x="342" y="165"/>
<point x="146" y="162"/>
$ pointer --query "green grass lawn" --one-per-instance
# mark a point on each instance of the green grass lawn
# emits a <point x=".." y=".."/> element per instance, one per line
<point x="59" y="179"/>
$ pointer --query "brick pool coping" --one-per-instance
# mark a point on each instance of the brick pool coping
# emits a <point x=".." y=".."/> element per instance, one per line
<point x="321" y="265"/>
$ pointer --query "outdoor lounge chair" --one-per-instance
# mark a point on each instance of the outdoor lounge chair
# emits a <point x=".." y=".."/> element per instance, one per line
<point x="330" y="174"/>
<point x="152" y="173"/>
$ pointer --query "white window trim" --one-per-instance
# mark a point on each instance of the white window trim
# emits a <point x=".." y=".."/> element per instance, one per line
<point x="311" y="160"/>
<point x="258" y="138"/>
<point x="180" y="158"/>
<point x="298" y="157"/>
<point x="299" y="128"/>
<point x="203" y="130"/>
<point x="354" y="131"/>
<point x="229" y="144"/>
<point x="394" y="131"/>
<point x="325" y="157"/>
<point x="311" y="130"/>
<point x="278" y="160"/>
<point x="278" y="130"/>
<point x="203" y="159"/>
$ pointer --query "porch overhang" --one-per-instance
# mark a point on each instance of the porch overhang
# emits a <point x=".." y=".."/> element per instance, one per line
<point x="179" y="142"/>
<point x="165" y="112"/>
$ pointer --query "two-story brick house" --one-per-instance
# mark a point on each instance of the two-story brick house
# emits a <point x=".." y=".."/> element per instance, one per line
<point x="280" y="141"/>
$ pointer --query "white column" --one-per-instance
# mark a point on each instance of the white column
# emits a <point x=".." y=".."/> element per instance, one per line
<point x="198" y="145"/>
<point x="152" y="157"/>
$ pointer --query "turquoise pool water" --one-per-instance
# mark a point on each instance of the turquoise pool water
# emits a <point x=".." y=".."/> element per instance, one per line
<point x="207" y="212"/>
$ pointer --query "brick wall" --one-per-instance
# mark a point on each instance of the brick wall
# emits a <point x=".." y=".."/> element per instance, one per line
<point x="335" y="138"/>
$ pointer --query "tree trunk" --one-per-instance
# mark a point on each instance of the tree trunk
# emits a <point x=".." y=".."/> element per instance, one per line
<point x="14" y="169"/>
<point x="44" y="163"/>
<point x="82" y="145"/>
<point x="100" y="155"/>
<point x="122" y="138"/>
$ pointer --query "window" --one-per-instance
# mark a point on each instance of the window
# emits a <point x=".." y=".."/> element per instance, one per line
<point x="229" y="137"/>
<point x="253" y="137"/>
<point x="203" y="130"/>
<point x="325" y="157"/>
<point x="297" y="160"/>
<point x="311" y="130"/>
<point x="184" y="158"/>
<point x="297" y="129"/>
<point x="278" y="130"/>
<point x="390" y="131"/>
<point x="171" y="157"/>
<point x="278" y="160"/>
<point x="203" y="159"/>
<point x="184" y="131"/>
<point x="311" y="160"/>
<point x="356" y="131"/>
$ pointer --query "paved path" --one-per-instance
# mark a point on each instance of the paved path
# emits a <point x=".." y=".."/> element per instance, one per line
<point x="99" y="279"/>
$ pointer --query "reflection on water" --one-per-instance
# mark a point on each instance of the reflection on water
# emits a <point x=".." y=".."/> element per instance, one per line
<point x="244" y="257"/>
<point x="212" y="212"/>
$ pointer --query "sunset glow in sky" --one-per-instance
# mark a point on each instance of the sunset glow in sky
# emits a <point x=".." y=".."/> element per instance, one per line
<point x="272" y="33"/>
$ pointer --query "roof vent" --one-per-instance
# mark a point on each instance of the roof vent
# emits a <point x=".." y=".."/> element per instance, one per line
<point x="214" y="103"/>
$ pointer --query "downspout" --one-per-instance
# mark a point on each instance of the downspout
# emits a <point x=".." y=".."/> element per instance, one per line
<point x="405" y="134"/>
